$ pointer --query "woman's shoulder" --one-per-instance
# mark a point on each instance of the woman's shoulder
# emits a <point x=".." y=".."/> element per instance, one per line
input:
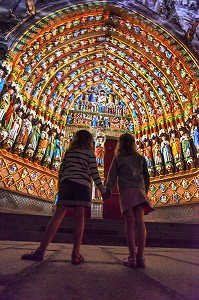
<point x="137" y="155"/>
<point x="141" y="156"/>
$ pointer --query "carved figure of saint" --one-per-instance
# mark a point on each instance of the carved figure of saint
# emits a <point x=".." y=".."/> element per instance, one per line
<point x="148" y="153"/>
<point x="176" y="147"/>
<point x="23" y="135"/>
<point x="157" y="156"/>
<point x="58" y="153"/>
<point x="50" y="150"/>
<point x="194" y="133"/>
<point x="33" y="139"/>
<point x="14" y="131"/>
<point x="186" y="148"/>
<point x="30" y="7"/>
<point x="43" y="143"/>
<point x="166" y="150"/>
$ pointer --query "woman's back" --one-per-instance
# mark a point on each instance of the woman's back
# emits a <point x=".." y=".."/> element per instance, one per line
<point x="79" y="165"/>
<point x="131" y="171"/>
<point x="75" y="166"/>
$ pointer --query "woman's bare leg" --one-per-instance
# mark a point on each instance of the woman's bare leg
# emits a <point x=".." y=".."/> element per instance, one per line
<point x="78" y="228"/>
<point x="130" y="230"/>
<point x="141" y="230"/>
<point x="52" y="227"/>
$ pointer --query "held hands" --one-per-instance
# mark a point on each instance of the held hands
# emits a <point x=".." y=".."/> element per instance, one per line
<point x="106" y="195"/>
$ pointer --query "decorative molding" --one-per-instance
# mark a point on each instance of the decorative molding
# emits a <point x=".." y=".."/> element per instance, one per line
<point x="175" y="189"/>
<point x="25" y="177"/>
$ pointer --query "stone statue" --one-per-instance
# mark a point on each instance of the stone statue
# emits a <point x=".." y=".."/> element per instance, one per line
<point x="58" y="153"/>
<point x="33" y="139"/>
<point x="176" y="151"/>
<point x="14" y="131"/>
<point x="8" y="120"/>
<point x="166" y="153"/>
<point x="43" y="143"/>
<point x="6" y="100"/>
<point x="23" y="135"/>
<point x="30" y="7"/>
<point x="3" y="75"/>
<point x="187" y="148"/>
<point x="149" y="156"/>
<point x="194" y="133"/>
<point x="50" y="150"/>
<point x="157" y="156"/>
<point x="99" y="148"/>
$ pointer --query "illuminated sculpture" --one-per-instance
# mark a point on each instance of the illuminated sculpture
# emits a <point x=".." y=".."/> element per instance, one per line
<point x="23" y="135"/>
<point x="80" y="71"/>
<point x="177" y="151"/>
<point x="30" y="7"/>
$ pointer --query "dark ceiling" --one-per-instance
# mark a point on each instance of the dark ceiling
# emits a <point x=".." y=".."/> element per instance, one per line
<point x="181" y="13"/>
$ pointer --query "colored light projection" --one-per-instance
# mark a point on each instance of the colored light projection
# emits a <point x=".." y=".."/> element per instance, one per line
<point x="99" y="66"/>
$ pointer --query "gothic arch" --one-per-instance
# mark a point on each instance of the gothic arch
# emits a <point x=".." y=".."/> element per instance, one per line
<point x="109" y="33"/>
<point x="55" y="59"/>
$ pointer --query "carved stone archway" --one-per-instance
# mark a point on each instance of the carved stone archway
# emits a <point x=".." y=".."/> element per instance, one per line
<point x="58" y="60"/>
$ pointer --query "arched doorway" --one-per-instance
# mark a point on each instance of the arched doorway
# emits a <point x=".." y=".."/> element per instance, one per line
<point x="105" y="68"/>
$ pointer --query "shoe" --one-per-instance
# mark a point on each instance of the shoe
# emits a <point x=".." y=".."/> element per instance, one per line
<point x="141" y="262"/>
<point x="130" y="261"/>
<point x="77" y="259"/>
<point x="34" y="255"/>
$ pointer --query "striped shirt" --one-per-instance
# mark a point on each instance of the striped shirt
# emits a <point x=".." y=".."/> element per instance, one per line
<point x="79" y="165"/>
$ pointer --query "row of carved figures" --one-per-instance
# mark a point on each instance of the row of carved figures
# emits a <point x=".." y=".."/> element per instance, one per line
<point x="168" y="153"/>
<point x="164" y="152"/>
<point x="97" y="120"/>
<point x="107" y="108"/>
<point x="29" y="138"/>
<point x="23" y="135"/>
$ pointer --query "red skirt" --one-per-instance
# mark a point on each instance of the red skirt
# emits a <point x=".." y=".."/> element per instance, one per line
<point x="132" y="197"/>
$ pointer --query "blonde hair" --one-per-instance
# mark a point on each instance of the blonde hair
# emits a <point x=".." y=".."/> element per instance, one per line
<point x="126" y="145"/>
<point x="82" y="139"/>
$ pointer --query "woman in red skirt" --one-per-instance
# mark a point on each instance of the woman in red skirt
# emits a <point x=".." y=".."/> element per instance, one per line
<point x="129" y="170"/>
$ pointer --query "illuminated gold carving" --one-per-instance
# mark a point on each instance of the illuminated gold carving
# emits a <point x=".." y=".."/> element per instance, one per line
<point x="22" y="176"/>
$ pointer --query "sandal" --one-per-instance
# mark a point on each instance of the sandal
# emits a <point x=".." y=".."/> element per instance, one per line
<point x="34" y="255"/>
<point x="130" y="261"/>
<point x="141" y="262"/>
<point x="77" y="259"/>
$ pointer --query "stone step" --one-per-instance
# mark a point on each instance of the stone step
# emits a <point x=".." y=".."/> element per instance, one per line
<point x="24" y="227"/>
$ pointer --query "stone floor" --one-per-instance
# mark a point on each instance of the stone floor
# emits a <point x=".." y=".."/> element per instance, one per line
<point x="170" y="274"/>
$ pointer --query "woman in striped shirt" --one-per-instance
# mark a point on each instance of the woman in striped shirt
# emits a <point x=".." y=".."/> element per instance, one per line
<point x="77" y="168"/>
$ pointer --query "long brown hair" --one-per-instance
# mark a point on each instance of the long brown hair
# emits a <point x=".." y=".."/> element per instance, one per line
<point x="82" y="139"/>
<point x="126" y="145"/>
